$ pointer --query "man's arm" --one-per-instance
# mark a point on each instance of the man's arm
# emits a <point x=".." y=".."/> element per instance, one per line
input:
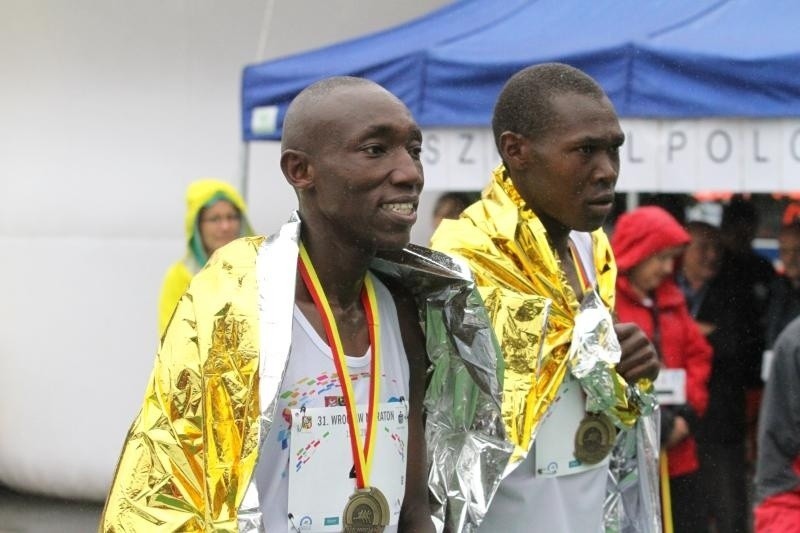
<point x="779" y="432"/>
<point x="639" y="359"/>
<point x="415" y="514"/>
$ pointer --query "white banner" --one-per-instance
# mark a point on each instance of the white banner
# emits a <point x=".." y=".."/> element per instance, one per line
<point x="737" y="155"/>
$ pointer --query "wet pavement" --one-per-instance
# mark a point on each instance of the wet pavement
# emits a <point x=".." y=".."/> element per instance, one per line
<point x="24" y="513"/>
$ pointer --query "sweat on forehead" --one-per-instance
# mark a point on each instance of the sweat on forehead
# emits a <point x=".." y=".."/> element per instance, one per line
<point x="302" y="119"/>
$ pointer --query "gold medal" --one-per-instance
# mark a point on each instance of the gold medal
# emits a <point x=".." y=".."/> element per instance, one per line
<point x="594" y="438"/>
<point x="367" y="511"/>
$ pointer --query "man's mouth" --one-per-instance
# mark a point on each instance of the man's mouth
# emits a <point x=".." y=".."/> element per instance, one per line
<point x="404" y="208"/>
<point x="602" y="200"/>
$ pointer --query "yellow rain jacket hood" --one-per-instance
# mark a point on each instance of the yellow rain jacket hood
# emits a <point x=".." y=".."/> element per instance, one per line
<point x="200" y="194"/>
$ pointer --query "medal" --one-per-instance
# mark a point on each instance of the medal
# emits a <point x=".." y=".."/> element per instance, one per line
<point x="596" y="433"/>
<point x="367" y="511"/>
<point x="594" y="438"/>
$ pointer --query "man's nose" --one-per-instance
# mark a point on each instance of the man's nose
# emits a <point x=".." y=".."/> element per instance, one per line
<point x="407" y="171"/>
<point x="607" y="167"/>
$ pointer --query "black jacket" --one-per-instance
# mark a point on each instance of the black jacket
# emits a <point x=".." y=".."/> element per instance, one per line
<point x="737" y="341"/>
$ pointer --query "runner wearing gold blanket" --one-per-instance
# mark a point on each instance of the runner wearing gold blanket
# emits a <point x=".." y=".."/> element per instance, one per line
<point x="546" y="272"/>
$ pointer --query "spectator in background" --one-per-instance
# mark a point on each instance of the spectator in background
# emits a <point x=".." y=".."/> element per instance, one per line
<point x="791" y="214"/>
<point x="646" y="244"/>
<point x="740" y="262"/>
<point x="215" y="215"/>
<point x="778" y="467"/>
<point x="450" y="205"/>
<point x="784" y="303"/>
<point x="725" y="313"/>
<point x="741" y="265"/>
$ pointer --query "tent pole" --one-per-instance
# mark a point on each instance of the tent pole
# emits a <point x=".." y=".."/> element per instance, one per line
<point x="631" y="201"/>
<point x="244" y="167"/>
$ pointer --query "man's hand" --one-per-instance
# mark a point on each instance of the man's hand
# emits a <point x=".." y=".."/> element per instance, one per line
<point x="639" y="358"/>
<point x="706" y="328"/>
<point x="680" y="430"/>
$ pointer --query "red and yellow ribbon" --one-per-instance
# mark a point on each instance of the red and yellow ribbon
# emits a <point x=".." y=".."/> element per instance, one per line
<point x="580" y="269"/>
<point x="362" y="453"/>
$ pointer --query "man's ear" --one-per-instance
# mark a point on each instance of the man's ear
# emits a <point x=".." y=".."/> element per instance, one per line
<point x="514" y="150"/>
<point x="297" y="169"/>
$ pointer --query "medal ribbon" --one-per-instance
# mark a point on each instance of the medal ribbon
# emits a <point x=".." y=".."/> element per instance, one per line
<point x="362" y="454"/>
<point x="579" y="268"/>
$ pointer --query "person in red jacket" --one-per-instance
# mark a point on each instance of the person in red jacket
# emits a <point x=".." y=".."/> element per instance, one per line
<point x="647" y="242"/>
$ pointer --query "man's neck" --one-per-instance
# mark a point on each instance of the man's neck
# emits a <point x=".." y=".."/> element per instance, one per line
<point x="340" y="268"/>
<point x="557" y="234"/>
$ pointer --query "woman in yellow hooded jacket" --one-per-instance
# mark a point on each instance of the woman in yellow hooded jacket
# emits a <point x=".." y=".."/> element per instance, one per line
<point x="215" y="215"/>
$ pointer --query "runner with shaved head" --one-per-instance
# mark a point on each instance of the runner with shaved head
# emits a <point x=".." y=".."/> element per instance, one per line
<point x="288" y="391"/>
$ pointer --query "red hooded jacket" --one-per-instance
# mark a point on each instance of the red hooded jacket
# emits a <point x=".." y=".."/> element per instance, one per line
<point x="638" y="235"/>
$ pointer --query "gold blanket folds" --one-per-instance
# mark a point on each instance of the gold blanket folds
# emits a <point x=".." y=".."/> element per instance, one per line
<point x="190" y="453"/>
<point x="530" y="302"/>
<point x="189" y="458"/>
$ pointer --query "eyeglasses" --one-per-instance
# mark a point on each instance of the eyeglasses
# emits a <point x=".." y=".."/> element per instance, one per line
<point x="218" y="219"/>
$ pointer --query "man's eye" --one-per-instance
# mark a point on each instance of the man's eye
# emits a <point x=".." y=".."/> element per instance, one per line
<point x="374" y="149"/>
<point x="586" y="150"/>
<point x="415" y="151"/>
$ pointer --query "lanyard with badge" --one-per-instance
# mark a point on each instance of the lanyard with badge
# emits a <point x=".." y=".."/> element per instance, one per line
<point x="367" y="507"/>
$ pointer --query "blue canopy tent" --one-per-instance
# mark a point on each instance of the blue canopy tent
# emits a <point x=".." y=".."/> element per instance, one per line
<point x="655" y="59"/>
<point x="658" y="58"/>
